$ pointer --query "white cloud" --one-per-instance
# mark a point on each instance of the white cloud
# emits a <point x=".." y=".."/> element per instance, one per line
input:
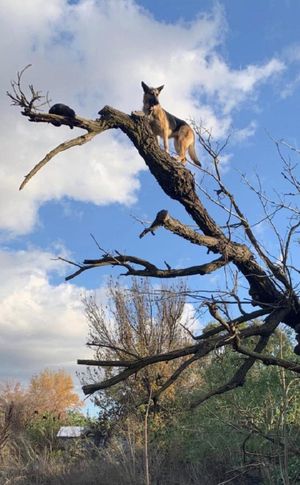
<point x="103" y="172"/>
<point x="244" y="133"/>
<point x="94" y="53"/>
<point x="292" y="53"/>
<point x="232" y="87"/>
<point x="42" y="324"/>
<point x="290" y="87"/>
<point x="190" y="319"/>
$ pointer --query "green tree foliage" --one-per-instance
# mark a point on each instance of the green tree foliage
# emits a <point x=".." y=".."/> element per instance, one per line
<point x="251" y="433"/>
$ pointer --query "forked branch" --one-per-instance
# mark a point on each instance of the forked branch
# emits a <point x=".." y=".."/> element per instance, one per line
<point x="19" y="98"/>
<point x="149" y="269"/>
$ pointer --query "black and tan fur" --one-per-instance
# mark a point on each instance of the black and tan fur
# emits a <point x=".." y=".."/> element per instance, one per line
<point x="166" y="125"/>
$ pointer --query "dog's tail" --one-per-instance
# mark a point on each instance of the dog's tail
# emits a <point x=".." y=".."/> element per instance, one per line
<point x="192" y="154"/>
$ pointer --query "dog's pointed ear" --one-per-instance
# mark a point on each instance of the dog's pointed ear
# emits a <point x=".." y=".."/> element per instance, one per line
<point x="145" y="87"/>
<point x="160" y="88"/>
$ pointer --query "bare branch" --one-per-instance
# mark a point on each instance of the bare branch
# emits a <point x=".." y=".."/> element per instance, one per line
<point x="236" y="321"/>
<point x="163" y="219"/>
<point x="20" y="99"/>
<point x="201" y="349"/>
<point x="134" y="367"/>
<point x="271" y="322"/>
<point x="175" y="375"/>
<point x="269" y="359"/>
<point x="79" y="140"/>
<point x="107" y="363"/>
<point x="150" y="269"/>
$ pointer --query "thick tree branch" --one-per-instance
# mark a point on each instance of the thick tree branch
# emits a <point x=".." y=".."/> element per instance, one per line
<point x="236" y="321"/>
<point x="198" y="350"/>
<point x="150" y="269"/>
<point x="92" y="126"/>
<point x="175" y="375"/>
<point x="202" y="349"/>
<point x="163" y="219"/>
<point x="107" y="363"/>
<point x="269" y="359"/>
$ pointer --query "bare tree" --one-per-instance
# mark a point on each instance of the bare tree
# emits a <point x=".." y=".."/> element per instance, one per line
<point x="139" y="321"/>
<point x="136" y="322"/>
<point x="256" y="278"/>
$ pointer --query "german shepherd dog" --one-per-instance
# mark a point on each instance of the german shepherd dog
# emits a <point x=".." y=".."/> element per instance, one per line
<point x="167" y="126"/>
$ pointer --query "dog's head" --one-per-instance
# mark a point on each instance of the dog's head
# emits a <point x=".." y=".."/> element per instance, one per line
<point x="151" y="94"/>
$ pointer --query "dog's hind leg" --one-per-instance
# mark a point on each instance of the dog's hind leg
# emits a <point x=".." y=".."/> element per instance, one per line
<point x="179" y="150"/>
<point x="185" y="141"/>
<point x="182" y="141"/>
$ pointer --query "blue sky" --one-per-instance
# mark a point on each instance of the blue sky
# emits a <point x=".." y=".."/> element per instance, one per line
<point x="233" y="65"/>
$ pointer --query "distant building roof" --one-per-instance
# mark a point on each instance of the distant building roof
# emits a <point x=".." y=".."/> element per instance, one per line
<point x="70" y="431"/>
